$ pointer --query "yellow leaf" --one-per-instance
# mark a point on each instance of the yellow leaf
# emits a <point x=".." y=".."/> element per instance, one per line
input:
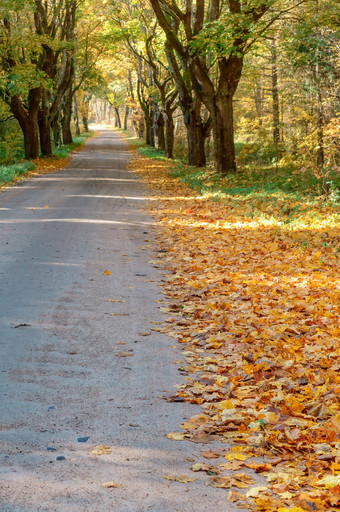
<point x="234" y="496"/>
<point x="183" y="479"/>
<point x="329" y="481"/>
<point x="236" y="456"/>
<point x="124" y="354"/>
<point x="101" y="449"/>
<point x="200" y="466"/>
<point x="111" y="485"/>
<point x="177" y="436"/>
<point x="106" y="273"/>
<point x="224" y="404"/>
<point x="255" y="491"/>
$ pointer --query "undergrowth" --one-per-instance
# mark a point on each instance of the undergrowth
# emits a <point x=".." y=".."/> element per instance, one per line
<point x="269" y="192"/>
<point x="12" y="154"/>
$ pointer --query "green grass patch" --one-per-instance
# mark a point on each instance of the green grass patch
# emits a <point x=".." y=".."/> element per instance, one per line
<point x="64" y="150"/>
<point x="8" y="173"/>
<point x="147" y="151"/>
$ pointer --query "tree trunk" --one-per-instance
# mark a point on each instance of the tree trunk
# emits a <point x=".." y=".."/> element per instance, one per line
<point x="196" y="150"/>
<point x="223" y="134"/>
<point x="56" y="128"/>
<point x="66" y="120"/>
<point x="126" y="116"/>
<point x="28" y="121"/>
<point x="85" y="123"/>
<point x="141" y="128"/>
<point x="169" y="133"/>
<point x="118" y="123"/>
<point x="44" y="125"/>
<point x="31" y="140"/>
<point x="320" y="152"/>
<point x="275" y="97"/>
<point x="75" y="115"/>
<point x="195" y="133"/>
<point x="161" y="134"/>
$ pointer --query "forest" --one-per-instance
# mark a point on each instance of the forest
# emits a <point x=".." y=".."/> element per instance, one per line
<point x="218" y="84"/>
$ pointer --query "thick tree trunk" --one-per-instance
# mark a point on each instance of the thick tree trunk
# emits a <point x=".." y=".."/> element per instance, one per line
<point x="31" y="140"/>
<point x="195" y="134"/>
<point x="196" y="150"/>
<point x="44" y="125"/>
<point x="28" y="121"/>
<point x="223" y="134"/>
<point x="45" y="136"/>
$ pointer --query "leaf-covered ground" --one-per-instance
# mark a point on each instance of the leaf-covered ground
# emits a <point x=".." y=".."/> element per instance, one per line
<point x="255" y="304"/>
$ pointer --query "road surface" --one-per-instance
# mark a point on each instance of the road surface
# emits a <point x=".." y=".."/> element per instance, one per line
<point x="80" y="365"/>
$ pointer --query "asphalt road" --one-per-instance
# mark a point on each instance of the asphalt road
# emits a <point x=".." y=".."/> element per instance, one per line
<point x="67" y="329"/>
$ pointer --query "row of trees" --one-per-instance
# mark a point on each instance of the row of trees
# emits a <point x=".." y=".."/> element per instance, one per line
<point x="48" y="51"/>
<point x="259" y="67"/>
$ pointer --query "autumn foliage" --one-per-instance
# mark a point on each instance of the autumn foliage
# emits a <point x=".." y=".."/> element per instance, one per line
<point x="256" y="312"/>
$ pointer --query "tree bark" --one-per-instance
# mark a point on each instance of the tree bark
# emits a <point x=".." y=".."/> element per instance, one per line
<point x="28" y="121"/>
<point x="118" y="123"/>
<point x="275" y="97"/>
<point x="169" y="133"/>
<point x="85" y="123"/>
<point x="44" y="125"/>
<point x="126" y="117"/>
<point x="75" y="115"/>
<point x="66" y="119"/>
<point x="56" y="128"/>
<point x="223" y="135"/>
<point x="196" y="140"/>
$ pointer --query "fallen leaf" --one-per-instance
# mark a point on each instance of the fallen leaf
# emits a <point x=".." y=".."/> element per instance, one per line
<point x="255" y="491"/>
<point x="240" y="480"/>
<point x="200" y="466"/>
<point x="210" y="455"/>
<point x="124" y="354"/>
<point x="106" y="273"/>
<point x="177" y="436"/>
<point x="111" y="485"/>
<point x="183" y="479"/>
<point x="101" y="449"/>
<point x="235" y="496"/>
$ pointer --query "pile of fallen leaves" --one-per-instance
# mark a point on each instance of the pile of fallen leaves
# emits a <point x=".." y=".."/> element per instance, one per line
<point x="257" y="313"/>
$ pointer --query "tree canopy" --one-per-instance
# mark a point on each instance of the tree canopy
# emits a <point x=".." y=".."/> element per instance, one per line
<point x="264" y="72"/>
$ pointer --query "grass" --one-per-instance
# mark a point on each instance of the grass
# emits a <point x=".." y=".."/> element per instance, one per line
<point x="9" y="173"/>
<point x="64" y="150"/>
<point x="14" y="154"/>
<point x="261" y="190"/>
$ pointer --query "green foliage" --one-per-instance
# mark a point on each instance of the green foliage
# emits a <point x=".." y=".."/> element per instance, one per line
<point x="9" y="172"/>
<point x="65" y="149"/>
<point x="151" y="152"/>
<point x="11" y="147"/>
